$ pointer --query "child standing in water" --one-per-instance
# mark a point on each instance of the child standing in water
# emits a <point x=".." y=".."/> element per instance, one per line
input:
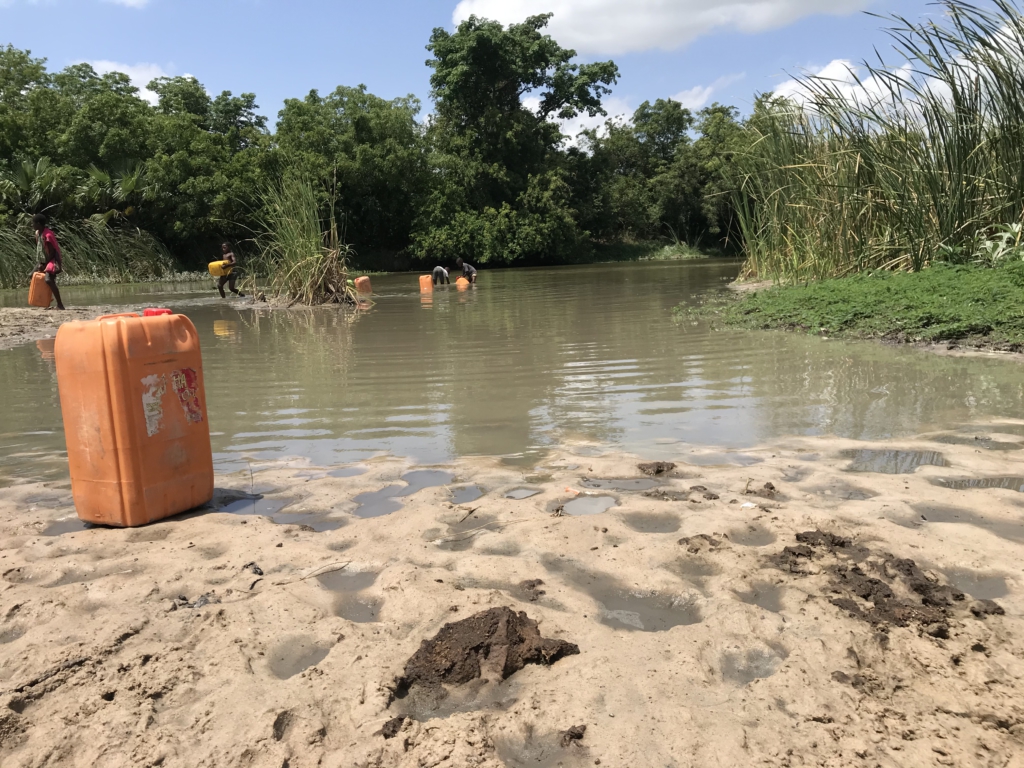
<point x="229" y="279"/>
<point x="51" y="265"/>
<point x="468" y="271"/>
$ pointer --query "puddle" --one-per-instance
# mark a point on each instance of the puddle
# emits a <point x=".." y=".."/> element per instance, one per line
<point x="295" y="655"/>
<point x="256" y="505"/>
<point x="360" y="610"/>
<point x="892" y="462"/>
<point x="938" y="513"/>
<point x="383" y="502"/>
<point x="626" y="484"/>
<point x="589" y="505"/>
<point x="753" y="536"/>
<point x="377" y="503"/>
<point x="347" y="472"/>
<point x="68" y="525"/>
<point x="721" y="459"/>
<point x="763" y="595"/>
<point x="522" y="493"/>
<point x="980" y="586"/>
<point x="466" y="494"/>
<point x="757" y="663"/>
<point x="972" y="483"/>
<point x="348" y="581"/>
<point x="644" y="522"/>
<point x="630" y="608"/>
<point x="987" y="443"/>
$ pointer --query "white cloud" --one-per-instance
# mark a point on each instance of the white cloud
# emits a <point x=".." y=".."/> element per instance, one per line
<point x="140" y="74"/>
<point x="697" y="97"/>
<point x="845" y="78"/>
<point x="615" y="26"/>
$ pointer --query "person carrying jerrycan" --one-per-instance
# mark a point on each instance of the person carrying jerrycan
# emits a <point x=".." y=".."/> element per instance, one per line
<point x="232" y="272"/>
<point x="52" y="258"/>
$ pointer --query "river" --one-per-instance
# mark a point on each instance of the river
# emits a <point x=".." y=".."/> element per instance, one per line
<point x="587" y="356"/>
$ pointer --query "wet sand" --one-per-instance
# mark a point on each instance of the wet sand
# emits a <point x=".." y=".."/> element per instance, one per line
<point x="708" y="634"/>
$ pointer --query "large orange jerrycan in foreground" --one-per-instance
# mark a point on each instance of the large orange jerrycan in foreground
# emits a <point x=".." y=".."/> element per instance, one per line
<point x="426" y="284"/>
<point x="134" y="407"/>
<point x="39" y="293"/>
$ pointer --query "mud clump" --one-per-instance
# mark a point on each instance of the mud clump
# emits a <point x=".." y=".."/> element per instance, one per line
<point x="655" y="468"/>
<point x="827" y="540"/>
<point x="495" y="644"/>
<point x="530" y="589"/>
<point x="573" y="736"/>
<point x="899" y="594"/>
<point x="767" y="491"/>
<point x="392" y="727"/>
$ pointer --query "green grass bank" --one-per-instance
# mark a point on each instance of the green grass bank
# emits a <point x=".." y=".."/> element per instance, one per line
<point x="968" y="304"/>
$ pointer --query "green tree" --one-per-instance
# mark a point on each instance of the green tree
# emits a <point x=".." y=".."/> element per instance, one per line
<point x="368" y="151"/>
<point x="495" y="161"/>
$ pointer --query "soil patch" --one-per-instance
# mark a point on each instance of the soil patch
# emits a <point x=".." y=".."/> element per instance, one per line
<point x="497" y="643"/>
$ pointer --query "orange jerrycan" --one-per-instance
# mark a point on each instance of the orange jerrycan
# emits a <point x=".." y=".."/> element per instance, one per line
<point x="363" y="285"/>
<point x="426" y="284"/>
<point x="462" y="284"/>
<point x="39" y="293"/>
<point x="134" y="408"/>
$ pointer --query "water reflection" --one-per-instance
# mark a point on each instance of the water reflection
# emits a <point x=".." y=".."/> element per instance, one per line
<point x="524" y="360"/>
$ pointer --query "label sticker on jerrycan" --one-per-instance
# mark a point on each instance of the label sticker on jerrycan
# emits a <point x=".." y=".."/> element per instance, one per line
<point x="186" y="386"/>
<point x="153" y="391"/>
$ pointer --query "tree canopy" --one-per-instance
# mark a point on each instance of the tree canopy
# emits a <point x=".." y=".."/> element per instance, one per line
<point x="488" y="175"/>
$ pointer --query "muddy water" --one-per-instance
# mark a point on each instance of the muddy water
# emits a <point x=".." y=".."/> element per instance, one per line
<point x="529" y="358"/>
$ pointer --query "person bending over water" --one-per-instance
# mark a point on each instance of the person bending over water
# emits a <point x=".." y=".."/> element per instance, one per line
<point x="232" y="275"/>
<point x="52" y="257"/>
<point x="468" y="271"/>
<point x="440" y="276"/>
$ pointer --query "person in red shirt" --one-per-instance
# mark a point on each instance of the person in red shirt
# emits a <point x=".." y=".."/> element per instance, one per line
<point x="52" y="257"/>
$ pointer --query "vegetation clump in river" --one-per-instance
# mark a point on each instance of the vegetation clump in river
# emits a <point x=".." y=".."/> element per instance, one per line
<point x="970" y="304"/>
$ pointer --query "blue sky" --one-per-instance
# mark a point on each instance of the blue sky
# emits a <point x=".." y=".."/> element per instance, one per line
<point x="697" y="50"/>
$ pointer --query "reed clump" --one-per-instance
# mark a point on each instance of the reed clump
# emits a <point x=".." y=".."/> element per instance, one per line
<point x="898" y="168"/>
<point x="301" y="257"/>
<point x="93" y="253"/>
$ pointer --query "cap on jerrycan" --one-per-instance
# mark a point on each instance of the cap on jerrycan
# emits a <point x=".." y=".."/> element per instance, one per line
<point x="153" y="312"/>
<point x="134" y="409"/>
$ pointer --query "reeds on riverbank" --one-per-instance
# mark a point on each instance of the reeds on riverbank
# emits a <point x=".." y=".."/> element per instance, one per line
<point x="300" y="251"/>
<point x="898" y="168"/>
<point x="92" y="252"/>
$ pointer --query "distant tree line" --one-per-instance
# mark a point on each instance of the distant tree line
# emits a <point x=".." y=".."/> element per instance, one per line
<point x="487" y="176"/>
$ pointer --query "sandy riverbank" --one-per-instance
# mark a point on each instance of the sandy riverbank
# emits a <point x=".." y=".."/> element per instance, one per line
<point x="703" y="641"/>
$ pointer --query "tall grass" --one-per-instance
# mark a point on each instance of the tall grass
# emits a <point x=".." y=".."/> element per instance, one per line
<point x="898" y="168"/>
<point x="300" y="253"/>
<point x="92" y="253"/>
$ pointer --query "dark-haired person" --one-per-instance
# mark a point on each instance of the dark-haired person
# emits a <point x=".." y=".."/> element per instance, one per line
<point x="440" y="276"/>
<point x="468" y="271"/>
<point x="231" y="276"/>
<point x="51" y="265"/>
